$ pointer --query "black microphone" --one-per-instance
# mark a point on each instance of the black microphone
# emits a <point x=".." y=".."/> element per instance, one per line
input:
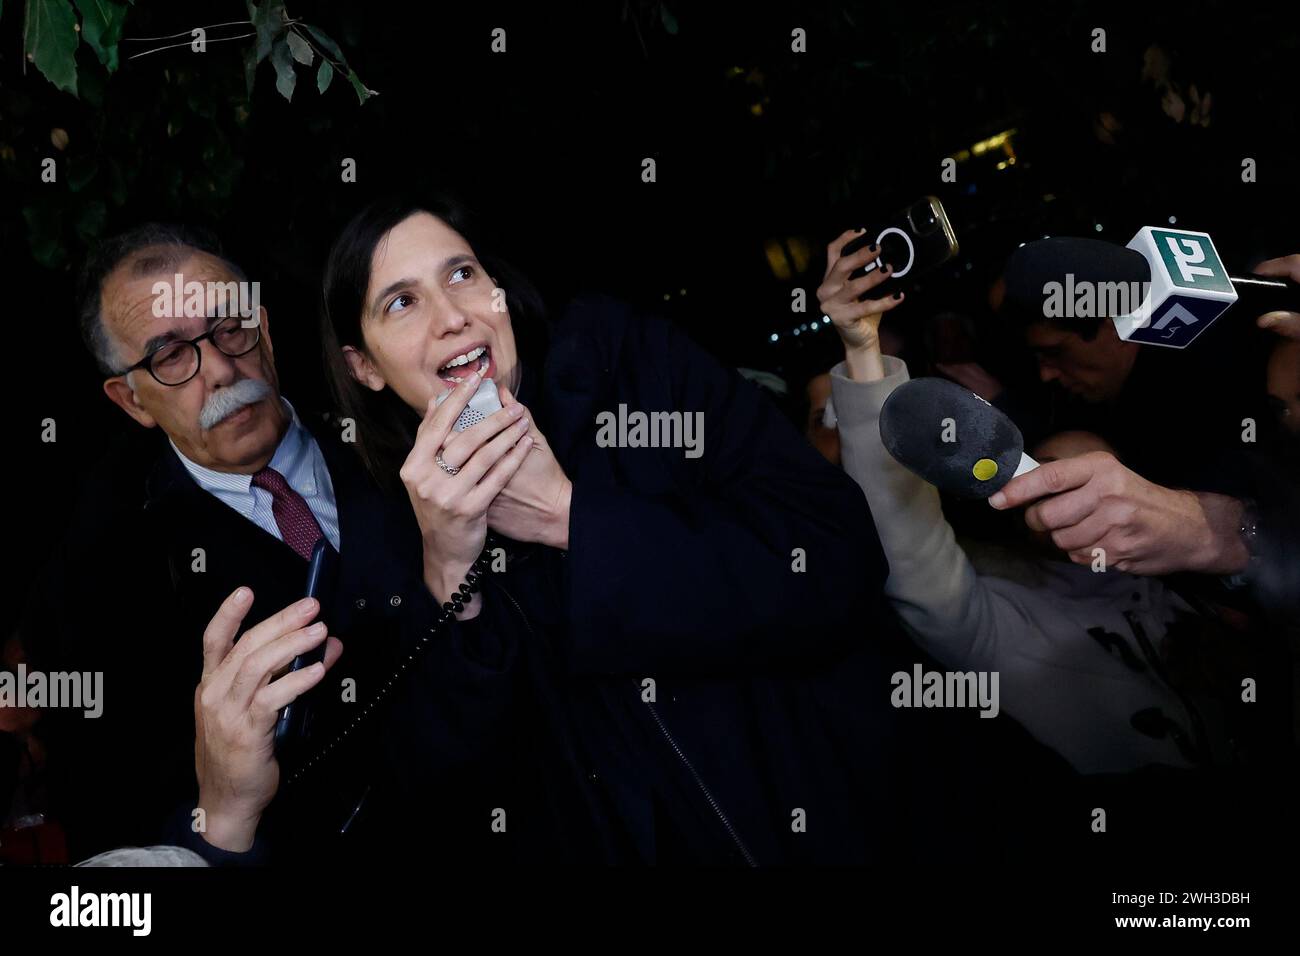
<point x="1165" y="287"/>
<point x="1260" y="294"/>
<point x="1070" y="263"/>
<point x="952" y="438"/>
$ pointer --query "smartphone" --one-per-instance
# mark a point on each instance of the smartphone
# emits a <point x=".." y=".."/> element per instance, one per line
<point x="913" y="241"/>
<point x="322" y="579"/>
<point x="482" y="403"/>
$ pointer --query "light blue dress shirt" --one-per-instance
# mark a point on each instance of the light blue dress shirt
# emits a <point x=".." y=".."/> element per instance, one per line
<point x="299" y="459"/>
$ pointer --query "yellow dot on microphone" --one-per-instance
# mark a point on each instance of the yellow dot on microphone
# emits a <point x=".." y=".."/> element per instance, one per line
<point x="985" y="469"/>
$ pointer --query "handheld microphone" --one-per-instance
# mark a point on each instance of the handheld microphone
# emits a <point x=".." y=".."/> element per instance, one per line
<point x="485" y="400"/>
<point x="952" y="438"/>
<point x="1166" y="287"/>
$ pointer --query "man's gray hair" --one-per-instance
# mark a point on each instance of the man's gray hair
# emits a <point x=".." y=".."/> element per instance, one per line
<point x="152" y="249"/>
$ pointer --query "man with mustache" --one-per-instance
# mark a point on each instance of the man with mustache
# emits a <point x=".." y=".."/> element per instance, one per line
<point x="183" y="573"/>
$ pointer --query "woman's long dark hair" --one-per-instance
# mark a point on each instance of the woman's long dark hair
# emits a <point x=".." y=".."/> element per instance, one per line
<point x="385" y="425"/>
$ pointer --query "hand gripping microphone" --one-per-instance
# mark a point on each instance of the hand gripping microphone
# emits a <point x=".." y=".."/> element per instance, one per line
<point x="952" y="438"/>
<point x="1166" y="287"/>
<point x="485" y="400"/>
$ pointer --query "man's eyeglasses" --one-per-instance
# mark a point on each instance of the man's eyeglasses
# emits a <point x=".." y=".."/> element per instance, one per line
<point x="175" y="363"/>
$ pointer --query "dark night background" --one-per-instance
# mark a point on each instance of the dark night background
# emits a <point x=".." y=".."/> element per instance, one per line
<point x="755" y="146"/>
<point x="763" y="156"/>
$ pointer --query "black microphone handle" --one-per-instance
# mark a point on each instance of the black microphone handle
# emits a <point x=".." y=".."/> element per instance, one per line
<point x="1260" y="294"/>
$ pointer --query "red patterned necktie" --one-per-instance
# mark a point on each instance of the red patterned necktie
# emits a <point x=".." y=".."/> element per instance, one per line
<point x="297" y="524"/>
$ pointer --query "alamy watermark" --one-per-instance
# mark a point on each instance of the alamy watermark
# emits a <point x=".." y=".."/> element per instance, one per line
<point x="922" y="688"/>
<point x="626" y="429"/>
<point x="77" y="909"/>
<point x="1093" y="300"/>
<point x="194" y="299"/>
<point x="77" y="690"/>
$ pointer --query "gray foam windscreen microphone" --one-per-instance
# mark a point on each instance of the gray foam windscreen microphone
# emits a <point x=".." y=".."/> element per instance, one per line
<point x="952" y="438"/>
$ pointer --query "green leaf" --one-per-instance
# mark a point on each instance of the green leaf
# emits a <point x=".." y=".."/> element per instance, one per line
<point x="323" y="39"/>
<point x="323" y="76"/>
<point x="101" y="28"/>
<point x="285" y="78"/>
<point x="300" y="49"/>
<point x="670" y="21"/>
<point x="81" y="170"/>
<point x="268" y="21"/>
<point x="90" y="224"/>
<point x="45" y="235"/>
<point x="51" y="40"/>
<point x="363" y="93"/>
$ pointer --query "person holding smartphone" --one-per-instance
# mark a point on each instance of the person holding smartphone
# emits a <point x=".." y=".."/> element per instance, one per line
<point x="1084" y="658"/>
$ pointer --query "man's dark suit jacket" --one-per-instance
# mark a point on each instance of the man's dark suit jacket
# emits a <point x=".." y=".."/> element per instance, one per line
<point x="149" y="557"/>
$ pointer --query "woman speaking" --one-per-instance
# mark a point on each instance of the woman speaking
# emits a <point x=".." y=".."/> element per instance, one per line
<point x="656" y="632"/>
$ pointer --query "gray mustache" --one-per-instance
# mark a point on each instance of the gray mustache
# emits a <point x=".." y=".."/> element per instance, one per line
<point x="224" y="402"/>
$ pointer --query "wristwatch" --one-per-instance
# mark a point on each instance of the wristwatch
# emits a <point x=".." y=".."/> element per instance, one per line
<point x="1248" y="531"/>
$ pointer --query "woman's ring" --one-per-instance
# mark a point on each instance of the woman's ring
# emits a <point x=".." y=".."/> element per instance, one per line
<point x="449" y="469"/>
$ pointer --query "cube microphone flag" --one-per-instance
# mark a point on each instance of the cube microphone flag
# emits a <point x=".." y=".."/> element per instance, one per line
<point x="1166" y="287"/>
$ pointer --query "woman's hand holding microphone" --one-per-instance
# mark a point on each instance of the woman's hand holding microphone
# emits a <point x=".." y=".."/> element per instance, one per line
<point x="452" y="481"/>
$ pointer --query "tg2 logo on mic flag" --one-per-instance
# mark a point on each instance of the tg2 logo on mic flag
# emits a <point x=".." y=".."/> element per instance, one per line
<point x="1189" y="288"/>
